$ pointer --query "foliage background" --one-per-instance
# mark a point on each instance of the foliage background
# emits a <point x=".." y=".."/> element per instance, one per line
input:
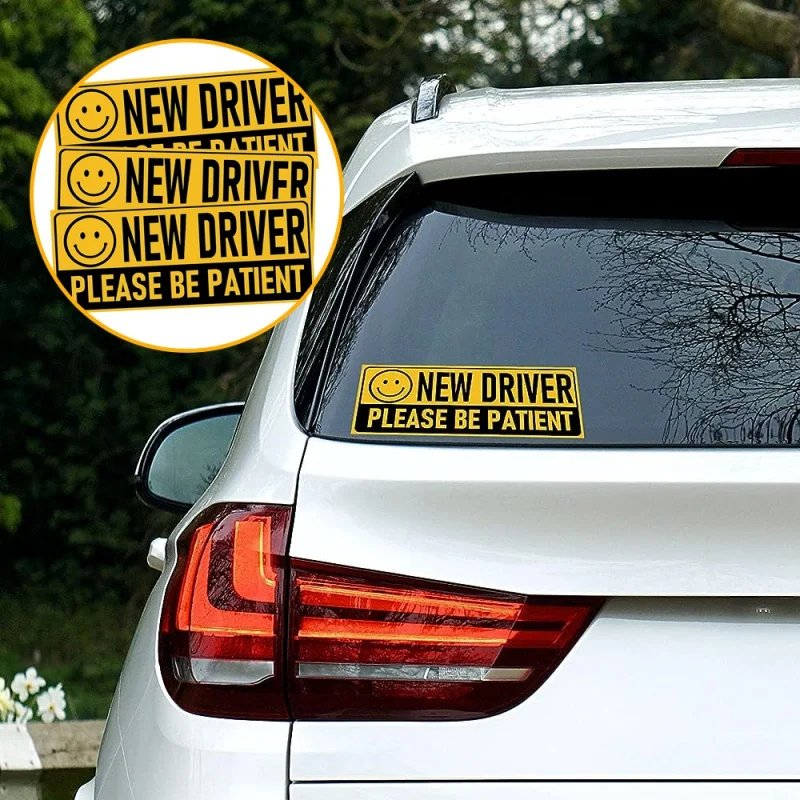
<point x="76" y="404"/>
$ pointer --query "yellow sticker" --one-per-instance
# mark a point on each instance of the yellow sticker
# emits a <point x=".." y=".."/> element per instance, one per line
<point x="541" y="402"/>
<point x="219" y="185"/>
<point x="139" y="178"/>
<point x="184" y="256"/>
<point x="259" y="110"/>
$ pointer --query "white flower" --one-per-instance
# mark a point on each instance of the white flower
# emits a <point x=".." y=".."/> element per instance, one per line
<point x="6" y="703"/>
<point x="52" y="704"/>
<point x="28" y="684"/>
<point x="22" y="714"/>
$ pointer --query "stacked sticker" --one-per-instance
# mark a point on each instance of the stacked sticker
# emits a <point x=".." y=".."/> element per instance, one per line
<point x="468" y="401"/>
<point x="185" y="191"/>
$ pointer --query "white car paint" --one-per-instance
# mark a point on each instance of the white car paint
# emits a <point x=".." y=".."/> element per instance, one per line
<point x="609" y="523"/>
<point x="488" y="131"/>
<point x="656" y="687"/>
<point x="546" y="790"/>
<point x="659" y="689"/>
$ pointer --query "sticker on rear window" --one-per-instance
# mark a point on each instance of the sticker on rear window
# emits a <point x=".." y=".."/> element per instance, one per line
<point x="541" y="402"/>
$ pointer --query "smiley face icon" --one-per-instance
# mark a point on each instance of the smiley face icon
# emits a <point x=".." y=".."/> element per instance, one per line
<point x="93" y="179"/>
<point x="91" y="115"/>
<point x="390" y="386"/>
<point x="90" y="241"/>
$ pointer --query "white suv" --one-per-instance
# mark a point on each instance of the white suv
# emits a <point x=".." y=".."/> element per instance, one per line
<point x="602" y="602"/>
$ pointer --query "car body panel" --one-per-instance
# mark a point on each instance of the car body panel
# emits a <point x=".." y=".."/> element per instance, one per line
<point x="655" y="689"/>
<point x="537" y="520"/>
<point x="86" y="792"/>
<point x="267" y="449"/>
<point x="546" y="790"/>
<point x="489" y="131"/>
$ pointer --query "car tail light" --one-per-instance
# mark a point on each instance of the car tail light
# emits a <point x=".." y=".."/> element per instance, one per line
<point x="222" y="623"/>
<point x="372" y="646"/>
<point x="763" y="157"/>
<point x="246" y="634"/>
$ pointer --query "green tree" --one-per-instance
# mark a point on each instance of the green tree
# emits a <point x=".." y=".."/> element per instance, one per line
<point x="770" y="27"/>
<point x="355" y="59"/>
<point x="43" y="45"/>
<point x="657" y="40"/>
<point x="10" y="512"/>
<point x="76" y="403"/>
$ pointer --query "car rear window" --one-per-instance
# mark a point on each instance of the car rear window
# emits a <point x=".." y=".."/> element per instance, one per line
<point x="682" y="330"/>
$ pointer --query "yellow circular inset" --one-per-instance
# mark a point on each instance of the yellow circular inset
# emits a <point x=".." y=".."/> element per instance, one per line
<point x="186" y="210"/>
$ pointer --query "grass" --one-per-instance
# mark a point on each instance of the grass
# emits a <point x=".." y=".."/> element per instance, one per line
<point x="82" y="648"/>
<point x="50" y="784"/>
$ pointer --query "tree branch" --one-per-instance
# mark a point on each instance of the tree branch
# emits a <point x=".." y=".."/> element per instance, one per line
<point x="774" y="33"/>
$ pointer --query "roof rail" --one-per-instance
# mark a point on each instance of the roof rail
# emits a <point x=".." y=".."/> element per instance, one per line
<point x="429" y="95"/>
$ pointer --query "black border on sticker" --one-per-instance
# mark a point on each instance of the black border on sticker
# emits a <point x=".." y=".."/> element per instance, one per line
<point x="177" y="209"/>
<point x="307" y="128"/>
<point x="176" y="152"/>
<point x="466" y="434"/>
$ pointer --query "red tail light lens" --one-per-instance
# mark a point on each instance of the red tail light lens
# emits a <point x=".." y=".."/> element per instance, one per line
<point x="241" y="632"/>
<point x="369" y="646"/>
<point x="222" y="623"/>
<point x="763" y="157"/>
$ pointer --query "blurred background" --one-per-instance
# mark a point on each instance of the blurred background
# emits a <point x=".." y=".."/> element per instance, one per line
<point x="76" y="404"/>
